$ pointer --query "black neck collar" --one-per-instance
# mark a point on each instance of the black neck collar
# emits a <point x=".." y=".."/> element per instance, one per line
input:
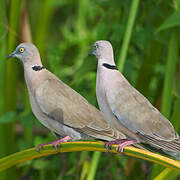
<point x="109" y="66"/>
<point x="37" y="68"/>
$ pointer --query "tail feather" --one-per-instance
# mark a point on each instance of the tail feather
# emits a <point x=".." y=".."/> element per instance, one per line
<point x="169" y="147"/>
<point x="108" y="134"/>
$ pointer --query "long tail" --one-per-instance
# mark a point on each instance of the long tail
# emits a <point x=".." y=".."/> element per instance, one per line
<point x="171" y="148"/>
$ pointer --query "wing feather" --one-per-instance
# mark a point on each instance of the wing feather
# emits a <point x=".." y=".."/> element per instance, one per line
<point x="63" y="104"/>
<point x="136" y="113"/>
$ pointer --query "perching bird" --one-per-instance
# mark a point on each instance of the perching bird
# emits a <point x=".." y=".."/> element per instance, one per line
<point x="127" y="110"/>
<point x="57" y="106"/>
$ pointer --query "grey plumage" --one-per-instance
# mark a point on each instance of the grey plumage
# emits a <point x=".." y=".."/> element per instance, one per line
<point x="56" y="105"/>
<point x="129" y="111"/>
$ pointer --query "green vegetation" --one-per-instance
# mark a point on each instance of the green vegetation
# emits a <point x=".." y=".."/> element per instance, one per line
<point x="145" y="38"/>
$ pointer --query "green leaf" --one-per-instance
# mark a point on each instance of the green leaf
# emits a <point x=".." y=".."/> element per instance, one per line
<point x="172" y="21"/>
<point x="8" y="117"/>
<point x="167" y="174"/>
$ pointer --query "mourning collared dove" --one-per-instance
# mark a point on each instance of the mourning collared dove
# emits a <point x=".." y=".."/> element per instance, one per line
<point x="59" y="107"/>
<point x="127" y="110"/>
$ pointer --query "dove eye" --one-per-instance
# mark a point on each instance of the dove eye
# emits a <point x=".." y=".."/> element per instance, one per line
<point x="21" y="50"/>
<point x="96" y="46"/>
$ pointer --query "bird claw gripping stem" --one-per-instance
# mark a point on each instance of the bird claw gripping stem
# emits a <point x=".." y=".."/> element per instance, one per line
<point x="121" y="144"/>
<point x="54" y="143"/>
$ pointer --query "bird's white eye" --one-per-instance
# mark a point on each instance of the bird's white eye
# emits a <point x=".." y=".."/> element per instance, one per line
<point x="21" y="50"/>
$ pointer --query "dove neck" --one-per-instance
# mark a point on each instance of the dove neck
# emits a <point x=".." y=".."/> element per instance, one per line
<point x="108" y="63"/>
<point x="31" y="61"/>
<point x="33" y="74"/>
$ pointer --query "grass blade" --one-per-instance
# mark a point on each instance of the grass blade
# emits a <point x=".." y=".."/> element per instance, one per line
<point x="94" y="164"/>
<point x="127" y="36"/>
<point x="169" y="76"/>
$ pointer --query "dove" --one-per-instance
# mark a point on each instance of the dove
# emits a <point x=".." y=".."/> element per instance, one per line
<point x="127" y="110"/>
<point x="58" y="107"/>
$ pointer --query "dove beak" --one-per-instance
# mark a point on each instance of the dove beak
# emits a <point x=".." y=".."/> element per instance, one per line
<point x="11" y="55"/>
<point x="91" y="53"/>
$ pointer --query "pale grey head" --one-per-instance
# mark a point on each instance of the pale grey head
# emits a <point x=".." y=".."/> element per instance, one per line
<point x="27" y="53"/>
<point x="102" y="50"/>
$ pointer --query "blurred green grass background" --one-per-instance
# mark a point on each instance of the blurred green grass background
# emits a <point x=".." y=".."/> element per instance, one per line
<point x="64" y="32"/>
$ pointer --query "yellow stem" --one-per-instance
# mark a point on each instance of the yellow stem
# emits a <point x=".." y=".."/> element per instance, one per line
<point x="31" y="153"/>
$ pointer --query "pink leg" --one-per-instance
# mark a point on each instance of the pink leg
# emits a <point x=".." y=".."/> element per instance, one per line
<point x="108" y="145"/>
<point x="54" y="143"/>
<point x="121" y="146"/>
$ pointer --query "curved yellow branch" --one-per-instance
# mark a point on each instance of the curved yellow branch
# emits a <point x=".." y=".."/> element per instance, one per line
<point x="31" y="153"/>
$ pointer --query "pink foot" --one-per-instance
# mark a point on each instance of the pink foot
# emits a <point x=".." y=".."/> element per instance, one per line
<point x="120" y="147"/>
<point x="108" y="145"/>
<point x="121" y="144"/>
<point x="54" y="143"/>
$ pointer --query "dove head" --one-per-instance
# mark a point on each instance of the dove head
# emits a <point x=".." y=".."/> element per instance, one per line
<point x="103" y="50"/>
<point x="27" y="53"/>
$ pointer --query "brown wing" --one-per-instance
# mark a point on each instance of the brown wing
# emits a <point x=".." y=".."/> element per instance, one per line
<point x="63" y="104"/>
<point x="136" y="113"/>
